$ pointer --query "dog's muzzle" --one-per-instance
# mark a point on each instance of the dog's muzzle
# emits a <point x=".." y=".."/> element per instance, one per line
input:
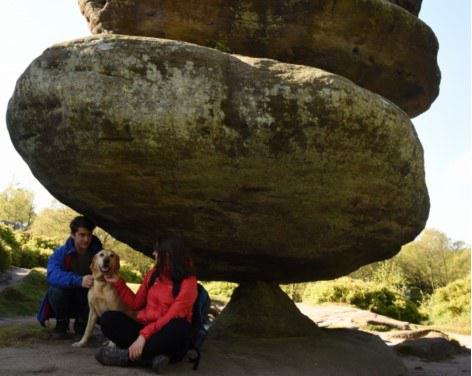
<point x="105" y="267"/>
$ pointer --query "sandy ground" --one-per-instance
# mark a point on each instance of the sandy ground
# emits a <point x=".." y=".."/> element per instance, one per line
<point x="258" y="357"/>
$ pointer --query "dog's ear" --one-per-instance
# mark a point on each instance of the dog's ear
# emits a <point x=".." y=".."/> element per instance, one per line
<point x="117" y="263"/>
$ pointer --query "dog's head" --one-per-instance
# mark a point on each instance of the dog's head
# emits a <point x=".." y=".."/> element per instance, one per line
<point x="105" y="262"/>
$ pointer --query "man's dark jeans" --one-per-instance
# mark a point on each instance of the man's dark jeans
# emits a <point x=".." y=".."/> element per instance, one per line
<point x="69" y="303"/>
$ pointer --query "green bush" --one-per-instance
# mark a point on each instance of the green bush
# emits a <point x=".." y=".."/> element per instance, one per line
<point x="294" y="290"/>
<point x="33" y="251"/>
<point x="220" y="290"/>
<point x="129" y="273"/>
<point x="5" y="256"/>
<point x="8" y="245"/>
<point x="377" y="298"/>
<point x="7" y="235"/>
<point x="451" y="303"/>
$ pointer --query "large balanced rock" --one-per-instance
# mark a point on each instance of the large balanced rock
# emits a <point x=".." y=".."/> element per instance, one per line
<point x="376" y="44"/>
<point x="412" y="6"/>
<point x="270" y="171"/>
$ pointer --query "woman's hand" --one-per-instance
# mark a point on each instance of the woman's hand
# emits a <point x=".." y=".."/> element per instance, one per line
<point x="111" y="278"/>
<point x="136" y="349"/>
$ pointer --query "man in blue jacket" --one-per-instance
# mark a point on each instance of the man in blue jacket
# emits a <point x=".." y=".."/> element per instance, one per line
<point x="69" y="279"/>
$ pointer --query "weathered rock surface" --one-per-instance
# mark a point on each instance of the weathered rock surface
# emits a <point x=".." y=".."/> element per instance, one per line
<point x="270" y="171"/>
<point x="376" y="44"/>
<point x="262" y="310"/>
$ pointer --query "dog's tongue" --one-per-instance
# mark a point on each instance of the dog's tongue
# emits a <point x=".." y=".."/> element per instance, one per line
<point x="105" y="269"/>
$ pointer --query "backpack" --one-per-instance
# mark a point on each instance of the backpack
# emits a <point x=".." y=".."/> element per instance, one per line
<point x="200" y="325"/>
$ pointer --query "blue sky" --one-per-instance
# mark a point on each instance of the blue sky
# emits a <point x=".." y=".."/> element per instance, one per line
<point x="27" y="27"/>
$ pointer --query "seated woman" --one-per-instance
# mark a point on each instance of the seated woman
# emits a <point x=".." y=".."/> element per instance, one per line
<point x="163" y="303"/>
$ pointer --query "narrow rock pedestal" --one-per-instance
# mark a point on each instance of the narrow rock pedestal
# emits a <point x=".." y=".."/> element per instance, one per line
<point x="262" y="310"/>
<point x="261" y="331"/>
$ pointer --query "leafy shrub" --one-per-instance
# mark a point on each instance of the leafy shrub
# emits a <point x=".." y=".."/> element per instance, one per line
<point x="129" y="273"/>
<point x="33" y="251"/>
<point x="8" y="245"/>
<point x="377" y="298"/>
<point x="8" y="237"/>
<point x="451" y="303"/>
<point x="5" y="256"/>
<point x="294" y="290"/>
<point x="220" y="290"/>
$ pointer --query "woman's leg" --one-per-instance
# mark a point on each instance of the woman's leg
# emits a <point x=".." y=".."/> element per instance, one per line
<point x="120" y="328"/>
<point x="171" y="340"/>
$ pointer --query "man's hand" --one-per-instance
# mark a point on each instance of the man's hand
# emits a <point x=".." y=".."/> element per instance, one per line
<point x="136" y="349"/>
<point x="87" y="281"/>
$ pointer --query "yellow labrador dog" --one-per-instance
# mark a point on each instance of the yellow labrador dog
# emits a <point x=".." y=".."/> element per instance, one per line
<point x="102" y="296"/>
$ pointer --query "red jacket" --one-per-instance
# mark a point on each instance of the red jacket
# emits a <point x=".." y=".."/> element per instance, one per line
<point x="155" y="305"/>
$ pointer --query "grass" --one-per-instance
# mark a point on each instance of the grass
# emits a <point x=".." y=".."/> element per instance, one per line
<point x="23" y="298"/>
<point x="16" y="335"/>
<point x="457" y="327"/>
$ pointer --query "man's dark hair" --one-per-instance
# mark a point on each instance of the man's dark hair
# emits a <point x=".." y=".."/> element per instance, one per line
<point x="81" y="221"/>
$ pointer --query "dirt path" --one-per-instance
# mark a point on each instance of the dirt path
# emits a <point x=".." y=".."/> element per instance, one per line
<point x="276" y="357"/>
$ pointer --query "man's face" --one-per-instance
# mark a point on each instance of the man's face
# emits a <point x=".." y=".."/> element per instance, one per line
<point x="82" y="239"/>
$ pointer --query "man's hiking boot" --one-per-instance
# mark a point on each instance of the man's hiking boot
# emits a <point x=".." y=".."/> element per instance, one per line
<point x="159" y="363"/>
<point x="112" y="356"/>
<point x="60" y="331"/>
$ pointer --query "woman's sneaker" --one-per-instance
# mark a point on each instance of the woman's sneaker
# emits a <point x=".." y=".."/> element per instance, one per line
<point x="159" y="363"/>
<point x="112" y="356"/>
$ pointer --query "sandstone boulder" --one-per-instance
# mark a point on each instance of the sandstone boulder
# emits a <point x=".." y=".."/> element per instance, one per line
<point x="377" y="45"/>
<point x="412" y="6"/>
<point x="270" y="171"/>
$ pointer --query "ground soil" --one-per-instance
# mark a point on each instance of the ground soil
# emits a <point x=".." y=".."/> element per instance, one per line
<point x="236" y="357"/>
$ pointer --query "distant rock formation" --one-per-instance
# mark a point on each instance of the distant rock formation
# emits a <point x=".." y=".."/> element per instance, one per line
<point x="270" y="171"/>
<point x="377" y="45"/>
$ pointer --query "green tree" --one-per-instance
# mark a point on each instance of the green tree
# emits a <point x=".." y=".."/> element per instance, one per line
<point x="53" y="222"/>
<point x="16" y="205"/>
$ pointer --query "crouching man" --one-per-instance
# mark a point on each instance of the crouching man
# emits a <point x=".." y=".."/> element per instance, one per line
<point x="69" y="278"/>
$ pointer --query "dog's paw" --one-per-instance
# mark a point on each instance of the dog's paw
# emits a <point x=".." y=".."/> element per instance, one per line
<point x="78" y="344"/>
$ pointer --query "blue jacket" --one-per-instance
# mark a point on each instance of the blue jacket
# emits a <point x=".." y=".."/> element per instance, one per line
<point x="59" y="274"/>
<point x="59" y="264"/>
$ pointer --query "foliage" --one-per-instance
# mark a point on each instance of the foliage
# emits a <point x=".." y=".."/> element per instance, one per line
<point x="8" y="245"/>
<point x="220" y="290"/>
<point x="451" y="303"/>
<point x="129" y="274"/>
<point x="53" y="222"/>
<point x="34" y="251"/>
<point x="374" y="297"/>
<point x="430" y="262"/>
<point x="24" y="297"/>
<point x="5" y="256"/>
<point x="295" y="291"/>
<point x="16" y="205"/>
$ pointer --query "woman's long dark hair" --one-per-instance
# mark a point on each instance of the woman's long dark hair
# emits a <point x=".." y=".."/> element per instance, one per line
<point x="173" y="259"/>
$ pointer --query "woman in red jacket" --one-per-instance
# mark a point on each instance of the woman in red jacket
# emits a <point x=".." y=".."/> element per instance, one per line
<point x="164" y="305"/>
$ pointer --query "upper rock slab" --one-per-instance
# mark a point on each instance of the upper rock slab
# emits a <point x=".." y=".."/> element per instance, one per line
<point x="270" y="171"/>
<point x="374" y="43"/>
